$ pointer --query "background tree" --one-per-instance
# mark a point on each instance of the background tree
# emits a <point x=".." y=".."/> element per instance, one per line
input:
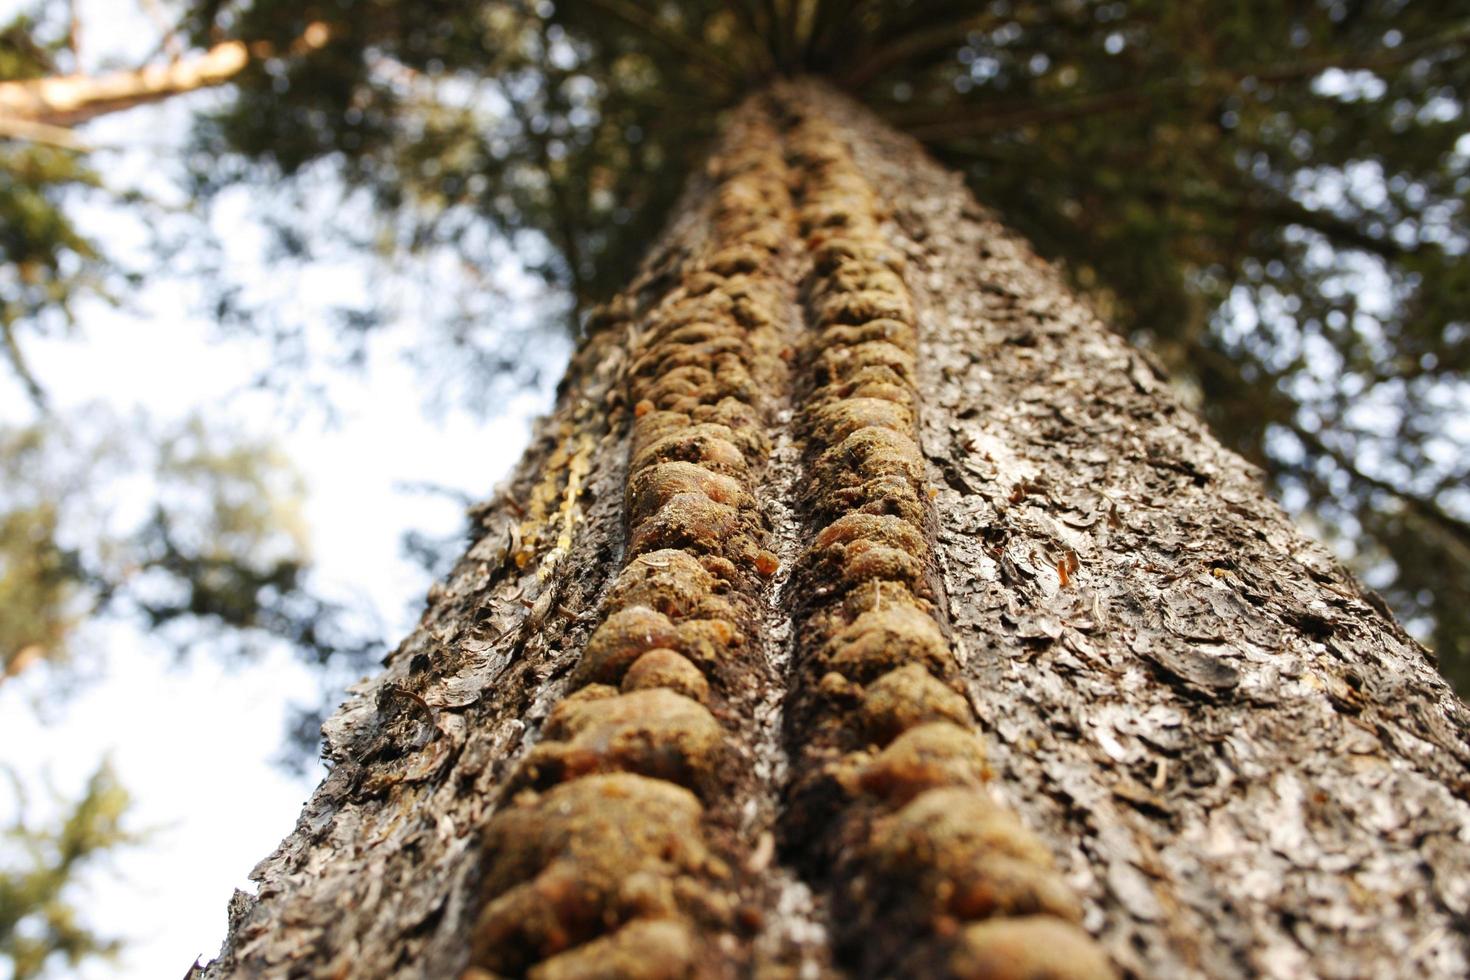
<point x="195" y="537"/>
<point x="218" y="554"/>
<point x="40" y="927"/>
<point x="211" y="548"/>
<point x="45" y="262"/>
<point x="188" y="531"/>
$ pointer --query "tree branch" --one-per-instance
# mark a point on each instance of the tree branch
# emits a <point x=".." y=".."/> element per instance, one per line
<point x="998" y="118"/>
<point x="22" y="370"/>
<point x="1426" y="509"/>
<point x="74" y="32"/>
<point x="1340" y="231"/>
<point x="922" y="40"/>
<point x="752" y="15"/>
<point x="1281" y="209"/>
<point x="44" y="133"/>
<point x="27" y="655"/>
<point x="702" y="57"/>
<point x="69" y="100"/>
<point x="169" y="42"/>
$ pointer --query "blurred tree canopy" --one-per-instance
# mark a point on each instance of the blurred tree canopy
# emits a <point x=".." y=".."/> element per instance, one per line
<point x="195" y="534"/>
<point x="190" y="531"/>
<point x="1269" y="196"/>
<point x="40" y="927"/>
<point x="46" y="262"/>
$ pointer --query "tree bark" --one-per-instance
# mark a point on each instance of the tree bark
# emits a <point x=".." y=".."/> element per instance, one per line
<point x="867" y="608"/>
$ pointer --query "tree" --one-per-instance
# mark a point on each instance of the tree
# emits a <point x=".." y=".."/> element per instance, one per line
<point x="45" y="108"/>
<point x="867" y="604"/>
<point x="47" y="263"/>
<point x="219" y="559"/>
<point x="215" y="558"/>
<point x="1200" y="719"/>
<point x="1220" y="185"/>
<point x="38" y="915"/>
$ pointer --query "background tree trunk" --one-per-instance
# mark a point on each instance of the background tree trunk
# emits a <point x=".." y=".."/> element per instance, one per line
<point x="1239" y="763"/>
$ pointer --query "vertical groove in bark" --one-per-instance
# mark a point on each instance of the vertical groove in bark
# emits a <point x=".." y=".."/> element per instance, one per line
<point x="928" y="874"/>
<point x="624" y="843"/>
<point x="795" y="931"/>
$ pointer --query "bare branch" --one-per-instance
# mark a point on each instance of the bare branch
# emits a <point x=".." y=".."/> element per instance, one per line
<point x="1456" y="531"/>
<point x="922" y="40"/>
<point x="703" y="58"/>
<point x="22" y="370"/>
<point x="43" y="133"/>
<point x="74" y="34"/>
<point x="169" y="43"/>
<point x="31" y="653"/>
<point x="1000" y="118"/>
<point x="69" y="100"/>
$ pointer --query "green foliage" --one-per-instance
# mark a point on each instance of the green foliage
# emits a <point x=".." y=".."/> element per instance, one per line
<point x="46" y="263"/>
<point x="195" y="534"/>
<point x="454" y="114"/>
<point x="37" y="588"/>
<point x="40" y="928"/>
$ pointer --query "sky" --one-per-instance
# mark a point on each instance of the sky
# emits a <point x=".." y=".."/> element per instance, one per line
<point x="194" y="741"/>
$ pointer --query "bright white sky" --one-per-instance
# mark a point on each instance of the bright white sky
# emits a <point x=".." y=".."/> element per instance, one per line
<point x="193" y="743"/>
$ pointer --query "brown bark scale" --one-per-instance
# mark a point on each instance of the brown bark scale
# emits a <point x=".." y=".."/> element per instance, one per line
<point x="846" y="481"/>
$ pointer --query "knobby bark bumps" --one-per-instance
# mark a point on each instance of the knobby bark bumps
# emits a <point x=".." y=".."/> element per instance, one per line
<point x="887" y="810"/>
<point x="630" y="859"/>
<point x="929" y="875"/>
<point x="764" y="663"/>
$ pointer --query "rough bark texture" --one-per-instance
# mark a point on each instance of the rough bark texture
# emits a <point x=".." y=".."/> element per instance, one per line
<point x="796" y="649"/>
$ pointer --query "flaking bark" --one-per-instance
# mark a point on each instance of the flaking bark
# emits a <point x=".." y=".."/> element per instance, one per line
<point x="1235" y="761"/>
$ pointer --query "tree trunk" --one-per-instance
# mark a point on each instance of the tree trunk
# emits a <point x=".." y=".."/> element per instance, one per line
<point x="737" y="679"/>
